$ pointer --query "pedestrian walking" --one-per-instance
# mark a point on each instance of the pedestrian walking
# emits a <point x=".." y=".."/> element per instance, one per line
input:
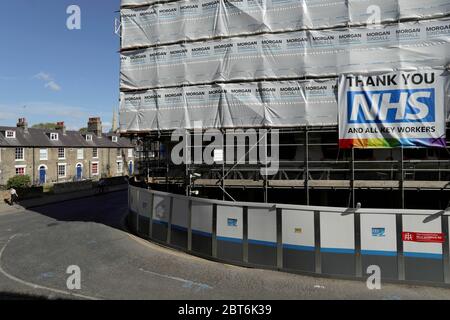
<point x="14" y="196"/>
<point x="101" y="186"/>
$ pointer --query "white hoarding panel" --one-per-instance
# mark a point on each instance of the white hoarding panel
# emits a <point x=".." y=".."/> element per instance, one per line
<point x="229" y="223"/>
<point x="145" y="201"/>
<point x="378" y="234"/>
<point x="202" y="218"/>
<point x="134" y="200"/>
<point x="262" y="226"/>
<point x="392" y="110"/>
<point x="161" y="208"/>
<point x="337" y="233"/>
<point x="180" y="213"/>
<point x="298" y="229"/>
<point x="413" y="224"/>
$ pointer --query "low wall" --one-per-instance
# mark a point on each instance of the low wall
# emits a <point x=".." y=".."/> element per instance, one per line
<point x="56" y="198"/>
<point x="67" y="187"/>
<point x="326" y="241"/>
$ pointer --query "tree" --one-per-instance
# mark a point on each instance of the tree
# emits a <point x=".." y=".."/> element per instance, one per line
<point x="46" y="126"/>
<point x="19" y="182"/>
<point x="83" y="130"/>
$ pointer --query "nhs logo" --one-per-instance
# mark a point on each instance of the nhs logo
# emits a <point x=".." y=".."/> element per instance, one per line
<point x="391" y="106"/>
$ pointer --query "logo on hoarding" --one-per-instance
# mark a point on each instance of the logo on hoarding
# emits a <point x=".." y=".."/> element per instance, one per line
<point x="378" y="232"/>
<point x="423" y="237"/>
<point x="232" y="222"/>
<point x="391" y="106"/>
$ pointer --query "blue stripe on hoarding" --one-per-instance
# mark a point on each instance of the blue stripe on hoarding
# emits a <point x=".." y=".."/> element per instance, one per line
<point x="160" y="222"/>
<point x="228" y="239"/>
<point x="437" y="256"/>
<point x="298" y="247"/>
<point x="263" y="243"/>
<point x="202" y="233"/>
<point x="337" y="250"/>
<point x="180" y="228"/>
<point x="379" y="253"/>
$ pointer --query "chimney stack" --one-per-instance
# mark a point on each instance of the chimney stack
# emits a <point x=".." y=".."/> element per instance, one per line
<point x="60" y="126"/>
<point x="95" y="126"/>
<point x="22" y="123"/>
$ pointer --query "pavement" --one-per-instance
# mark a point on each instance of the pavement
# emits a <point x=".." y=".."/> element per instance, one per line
<point x="38" y="245"/>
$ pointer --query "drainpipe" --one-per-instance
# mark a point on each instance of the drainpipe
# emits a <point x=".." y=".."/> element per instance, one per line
<point x="34" y="167"/>
<point x="109" y="163"/>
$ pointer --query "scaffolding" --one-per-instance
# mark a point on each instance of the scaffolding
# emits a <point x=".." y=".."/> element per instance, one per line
<point x="309" y="160"/>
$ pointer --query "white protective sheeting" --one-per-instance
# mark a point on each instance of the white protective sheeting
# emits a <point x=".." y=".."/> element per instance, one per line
<point x="253" y="104"/>
<point x="405" y="46"/>
<point x="202" y="19"/>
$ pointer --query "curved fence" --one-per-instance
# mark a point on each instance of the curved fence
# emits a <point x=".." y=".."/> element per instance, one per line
<point x="407" y="245"/>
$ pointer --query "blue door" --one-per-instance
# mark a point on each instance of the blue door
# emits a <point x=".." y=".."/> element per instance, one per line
<point x="42" y="175"/>
<point x="79" y="172"/>
<point x="130" y="167"/>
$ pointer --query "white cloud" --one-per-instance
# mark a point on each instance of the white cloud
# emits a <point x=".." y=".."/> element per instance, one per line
<point x="50" y="82"/>
<point x="43" y="76"/>
<point x="52" y="85"/>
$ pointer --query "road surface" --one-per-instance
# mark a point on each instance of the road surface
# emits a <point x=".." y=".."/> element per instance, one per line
<point x="37" y="246"/>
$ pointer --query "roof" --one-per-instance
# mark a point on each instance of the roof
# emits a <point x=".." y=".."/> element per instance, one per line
<point x="41" y="138"/>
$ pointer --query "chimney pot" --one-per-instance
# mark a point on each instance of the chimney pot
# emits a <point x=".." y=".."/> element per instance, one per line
<point x="22" y="123"/>
<point x="60" y="126"/>
<point x="95" y="126"/>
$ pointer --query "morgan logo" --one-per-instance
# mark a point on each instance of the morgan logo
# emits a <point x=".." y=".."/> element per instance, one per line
<point x="391" y="106"/>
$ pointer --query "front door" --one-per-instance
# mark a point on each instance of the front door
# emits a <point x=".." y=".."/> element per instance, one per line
<point x="130" y="167"/>
<point x="42" y="175"/>
<point x="79" y="172"/>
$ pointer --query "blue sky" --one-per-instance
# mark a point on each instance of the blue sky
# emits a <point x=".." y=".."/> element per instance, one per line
<point x="49" y="73"/>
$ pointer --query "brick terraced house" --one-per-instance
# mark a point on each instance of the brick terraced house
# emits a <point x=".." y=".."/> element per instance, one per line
<point x="51" y="156"/>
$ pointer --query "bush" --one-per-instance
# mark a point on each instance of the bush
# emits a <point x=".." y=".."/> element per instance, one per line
<point x="19" y="182"/>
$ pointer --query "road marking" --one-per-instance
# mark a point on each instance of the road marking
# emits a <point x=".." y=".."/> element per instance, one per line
<point x="186" y="283"/>
<point x="36" y="286"/>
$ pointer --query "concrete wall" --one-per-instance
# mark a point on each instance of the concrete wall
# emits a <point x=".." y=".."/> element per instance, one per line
<point x="107" y="160"/>
<point x="337" y="242"/>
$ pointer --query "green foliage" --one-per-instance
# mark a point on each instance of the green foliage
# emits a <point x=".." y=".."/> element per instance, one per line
<point x="19" y="182"/>
<point x="83" y="130"/>
<point x="46" y="126"/>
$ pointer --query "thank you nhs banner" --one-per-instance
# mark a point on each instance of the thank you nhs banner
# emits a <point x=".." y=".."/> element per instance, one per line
<point x="398" y="109"/>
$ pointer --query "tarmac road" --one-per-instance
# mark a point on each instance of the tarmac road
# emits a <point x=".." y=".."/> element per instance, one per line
<point x="36" y="248"/>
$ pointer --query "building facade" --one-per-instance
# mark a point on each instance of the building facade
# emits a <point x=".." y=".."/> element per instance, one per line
<point x="53" y="156"/>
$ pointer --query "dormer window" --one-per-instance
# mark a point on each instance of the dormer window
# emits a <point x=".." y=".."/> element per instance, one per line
<point x="89" y="137"/>
<point x="54" y="136"/>
<point x="114" y="138"/>
<point x="10" y="134"/>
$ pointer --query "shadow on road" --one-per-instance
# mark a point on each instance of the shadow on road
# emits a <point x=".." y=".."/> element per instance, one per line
<point x="109" y="209"/>
<point x="21" y="296"/>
